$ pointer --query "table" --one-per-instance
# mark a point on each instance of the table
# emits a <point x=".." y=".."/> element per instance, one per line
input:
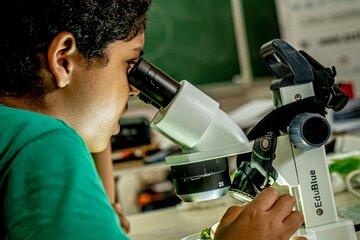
<point x="183" y="220"/>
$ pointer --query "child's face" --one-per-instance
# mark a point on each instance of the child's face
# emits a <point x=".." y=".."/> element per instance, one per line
<point x="101" y="93"/>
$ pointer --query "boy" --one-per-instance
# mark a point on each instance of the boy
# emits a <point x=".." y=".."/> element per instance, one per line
<point x="63" y="88"/>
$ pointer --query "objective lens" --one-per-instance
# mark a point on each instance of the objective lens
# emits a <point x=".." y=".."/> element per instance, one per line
<point x="201" y="181"/>
<point x="243" y="187"/>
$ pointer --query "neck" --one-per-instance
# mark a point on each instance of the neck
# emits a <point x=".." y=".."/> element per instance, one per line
<point x="27" y="103"/>
<point x="54" y="105"/>
<point x="44" y="105"/>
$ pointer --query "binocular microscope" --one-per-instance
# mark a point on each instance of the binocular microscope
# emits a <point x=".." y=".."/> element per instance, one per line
<point x="286" y="147"/>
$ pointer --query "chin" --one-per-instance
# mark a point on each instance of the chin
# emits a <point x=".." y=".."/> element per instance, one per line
<point x="99" y="146"/>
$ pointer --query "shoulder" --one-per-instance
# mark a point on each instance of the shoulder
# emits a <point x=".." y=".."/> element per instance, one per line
<point x="34" y="142"/>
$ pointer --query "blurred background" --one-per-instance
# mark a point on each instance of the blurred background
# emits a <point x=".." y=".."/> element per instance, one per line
<point x="215" y="45"/>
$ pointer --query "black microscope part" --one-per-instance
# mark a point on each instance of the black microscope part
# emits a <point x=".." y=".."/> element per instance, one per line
<point x="324" y="85"/>
<point x="316" y="131"/>
<point x="248" y="180"/>
<point x="201" y="176"/>
<point x="296" y="67"/>
<point x="286" y="64"/>
<point x="148" y="100"/>
<point x="156" y="87"/>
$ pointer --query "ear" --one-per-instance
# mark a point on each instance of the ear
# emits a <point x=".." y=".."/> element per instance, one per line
<point x="62" y="58"/>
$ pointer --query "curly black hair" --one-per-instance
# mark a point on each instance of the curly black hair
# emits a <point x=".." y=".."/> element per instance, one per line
<point x="28" y="26"/>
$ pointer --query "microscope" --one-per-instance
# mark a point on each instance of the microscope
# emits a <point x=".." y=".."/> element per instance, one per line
<point x="284" y="150"/>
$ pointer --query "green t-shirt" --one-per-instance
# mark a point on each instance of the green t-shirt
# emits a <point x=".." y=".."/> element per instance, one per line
<point x="49" y="187"/>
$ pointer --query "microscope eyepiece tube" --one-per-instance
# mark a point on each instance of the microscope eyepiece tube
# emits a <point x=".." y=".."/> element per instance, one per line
<point x="157" y="86"/>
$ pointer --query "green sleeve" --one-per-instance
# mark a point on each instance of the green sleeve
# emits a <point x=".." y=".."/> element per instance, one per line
<point x="54" y="192"/>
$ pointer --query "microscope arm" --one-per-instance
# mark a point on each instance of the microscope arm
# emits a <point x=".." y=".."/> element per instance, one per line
<point x="280" y="118"/>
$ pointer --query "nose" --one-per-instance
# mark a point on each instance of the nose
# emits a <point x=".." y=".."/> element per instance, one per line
<point x="133" y="92"/>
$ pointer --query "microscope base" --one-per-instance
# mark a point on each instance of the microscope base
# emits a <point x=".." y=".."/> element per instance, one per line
<point x="342" y="230"/>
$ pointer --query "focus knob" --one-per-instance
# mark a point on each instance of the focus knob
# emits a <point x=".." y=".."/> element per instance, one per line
<point x="309" y="130"/>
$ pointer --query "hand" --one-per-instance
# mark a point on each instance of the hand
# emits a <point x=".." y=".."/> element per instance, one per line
<point x="123" y="221"/>
<point x="268" y="216"/>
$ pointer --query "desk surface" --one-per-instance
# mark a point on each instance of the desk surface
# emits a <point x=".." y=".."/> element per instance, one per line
<point x="183" y="220"/>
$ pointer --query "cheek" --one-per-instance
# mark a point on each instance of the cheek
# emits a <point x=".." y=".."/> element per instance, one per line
<point x="114" y="91"/>
<point x="117" y="96"/>
<point x="122" y="89"/>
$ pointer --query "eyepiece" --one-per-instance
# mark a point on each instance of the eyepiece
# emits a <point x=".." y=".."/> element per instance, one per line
<point x="156" y="87"/>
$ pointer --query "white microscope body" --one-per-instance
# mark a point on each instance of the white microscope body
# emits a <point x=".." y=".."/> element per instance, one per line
<point x="307" y="175"/>
<point x="287" y="156"/>
<point x="306" y="172"/>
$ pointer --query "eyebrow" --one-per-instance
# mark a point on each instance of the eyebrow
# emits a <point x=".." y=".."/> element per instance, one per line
<point x="139" y="49"/>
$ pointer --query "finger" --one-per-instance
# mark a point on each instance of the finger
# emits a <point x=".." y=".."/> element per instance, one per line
<point x="123" y="220"/>
<point x="283" y="206"/>
<point x="293" y="222"/>
<point x="265" y="200"/>
<point x="125" y="223"/>
<point x="298" y="238"/>
<point x="117" y="207"/>
<point x="230" y="215"/>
